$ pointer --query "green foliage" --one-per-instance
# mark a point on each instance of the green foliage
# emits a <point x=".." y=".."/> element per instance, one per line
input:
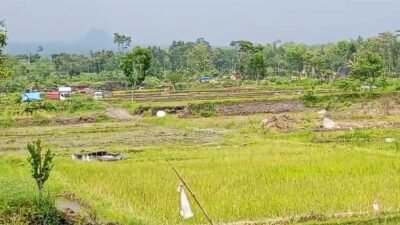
<point x="309" y="97"/>
<point x="4" y="72"/>
<point x="295" y="56"/>
<point x="389" y="49"/>
<point x="31" y="214"/>
<point x="122" y="41"/>
<point x="174" y="78"/>
<point x="73" y="105"/>
<point x="368" y="67"/>
<point x="136" y="64"/>
<point x="132" y="107"/>
<point x="41" y="165"/>
<point x="347" y="84"/>
<point x="204" y="109"/>
<point x="358" y="135"/>
<point x="382" y="82"/>
<point x="199" y="59"/>
<point x="6" y="121"/>
<point x="256" y="65"/>
<point x="153" y="82"/>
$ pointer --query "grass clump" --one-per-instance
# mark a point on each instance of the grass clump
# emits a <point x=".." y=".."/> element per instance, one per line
<point x="131" y="106"/>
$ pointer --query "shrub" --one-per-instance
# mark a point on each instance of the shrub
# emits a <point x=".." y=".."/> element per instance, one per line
<point x="132" y="107"/>
<point x="309" y="97"/>
<point x="206" y="109"/>
<point x="347" y="85"/>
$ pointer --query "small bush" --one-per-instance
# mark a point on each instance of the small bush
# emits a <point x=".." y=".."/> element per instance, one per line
<point x="132" y="107"/>
<point x="347" y="85"/>
<point x="309" y="97"/>
<point x="206" y="109"/>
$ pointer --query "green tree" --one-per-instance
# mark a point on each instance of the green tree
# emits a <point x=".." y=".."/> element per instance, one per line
<point x="41" y="165"/>
<point x="103" y="61"/>
<point x="340" y="54"/>
<point x="389" y="47"/>
<point x="135" y="66"/>
<point x="295" y="56"/>
<point x="256" y="65"/>
<point x="174" y="77"/>
<point x="199" y="58"/>
<point x="368" y="67"/>
<point x="223" y="59"/>
<point x="123" y="42"/>
<point x="71" y="64"/>
<point x="40" y="71"/>
<point x="274" y="52"/>
<point x="177" y="55"/>
<point x="4" y="72"/>
<point x="160" y="63"/>
<point x="243" y="49"/>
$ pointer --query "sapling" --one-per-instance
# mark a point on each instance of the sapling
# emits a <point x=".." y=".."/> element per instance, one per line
<point x="41" y="165"/>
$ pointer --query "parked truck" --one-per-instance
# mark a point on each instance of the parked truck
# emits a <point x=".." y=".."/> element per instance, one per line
<point x="63" y="93"/>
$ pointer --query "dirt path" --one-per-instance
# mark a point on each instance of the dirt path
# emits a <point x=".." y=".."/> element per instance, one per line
<point x="118" y="113"/>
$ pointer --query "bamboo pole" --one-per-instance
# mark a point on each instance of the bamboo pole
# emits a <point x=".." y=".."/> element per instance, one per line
<point x="190" y="192"/>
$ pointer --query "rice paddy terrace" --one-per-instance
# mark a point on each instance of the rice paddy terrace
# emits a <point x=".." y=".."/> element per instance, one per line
<point x="272" y="167"/>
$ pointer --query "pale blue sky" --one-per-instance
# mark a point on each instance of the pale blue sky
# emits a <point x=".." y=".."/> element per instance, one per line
<point x="219" y="21"/>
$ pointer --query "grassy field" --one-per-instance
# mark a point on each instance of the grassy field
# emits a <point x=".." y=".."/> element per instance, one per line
<point x="239" y="171"/>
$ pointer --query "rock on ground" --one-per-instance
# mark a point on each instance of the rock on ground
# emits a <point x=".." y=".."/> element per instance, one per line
<point x="328" y="124"/>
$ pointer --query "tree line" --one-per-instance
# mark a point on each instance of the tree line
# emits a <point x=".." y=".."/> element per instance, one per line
<point x="185" y="60"/>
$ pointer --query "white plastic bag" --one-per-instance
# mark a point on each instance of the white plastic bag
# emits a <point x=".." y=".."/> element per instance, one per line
<point x="185" y="209"/>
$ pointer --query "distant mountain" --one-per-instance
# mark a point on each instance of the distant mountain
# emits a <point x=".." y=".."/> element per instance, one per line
<point x="95" y="39"/>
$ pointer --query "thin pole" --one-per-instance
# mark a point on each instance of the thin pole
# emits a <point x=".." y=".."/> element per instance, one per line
<point x="191" y="192"/>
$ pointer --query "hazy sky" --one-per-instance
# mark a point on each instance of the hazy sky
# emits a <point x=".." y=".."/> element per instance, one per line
<point x="218" y="21"/>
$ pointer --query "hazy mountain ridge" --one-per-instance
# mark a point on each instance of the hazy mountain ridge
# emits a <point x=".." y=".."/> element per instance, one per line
<point x="95" y="39"/>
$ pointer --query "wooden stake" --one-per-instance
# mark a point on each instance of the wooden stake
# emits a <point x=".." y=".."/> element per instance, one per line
<point x="190" y="192"/>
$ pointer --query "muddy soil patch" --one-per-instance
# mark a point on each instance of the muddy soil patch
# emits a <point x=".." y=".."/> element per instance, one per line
<point x="77" y="120"/>
<point x="247" y="108"/>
